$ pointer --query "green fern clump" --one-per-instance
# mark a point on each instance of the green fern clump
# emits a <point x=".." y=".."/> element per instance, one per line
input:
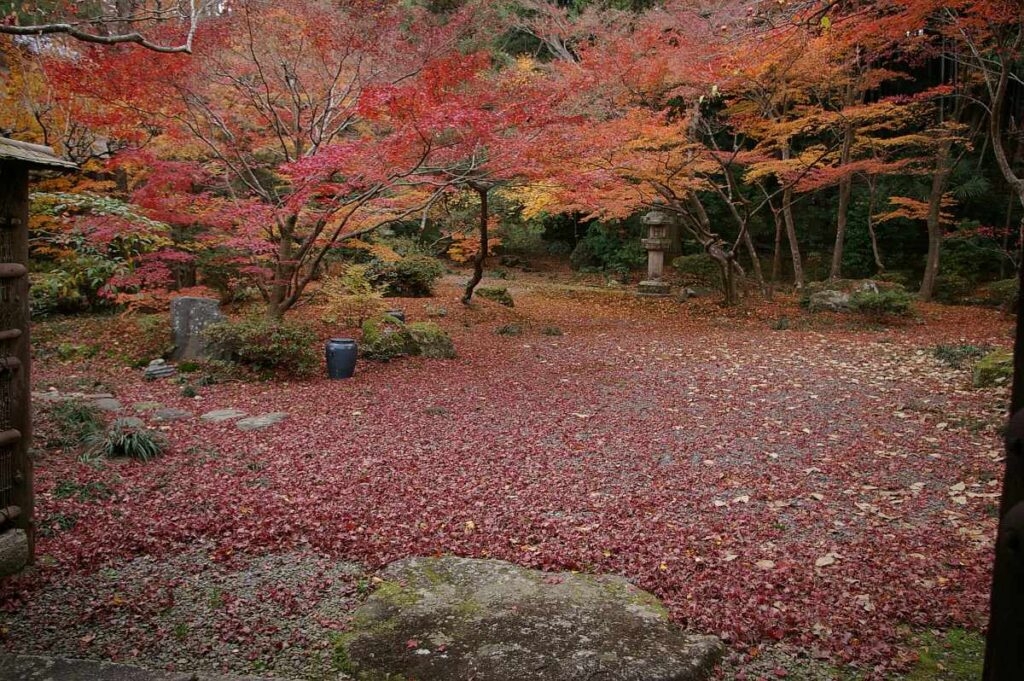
<point x="122" y="439"/>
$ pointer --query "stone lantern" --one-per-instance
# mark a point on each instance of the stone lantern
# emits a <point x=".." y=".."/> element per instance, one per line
<point x="659" y="225"/>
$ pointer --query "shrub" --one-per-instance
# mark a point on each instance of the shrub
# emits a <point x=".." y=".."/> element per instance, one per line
<point x="896" y="277"/>
<point x="351" y="297"/>
<point x="1002" y="294"/>
<point x="76" y="286"/>
<point x="74" y="422"/>
<point x="411" y="277"/>
<point x="125" y="439"/>
<point x="551" y="331"/>
<point x="956" y="356"/>
<point x="699" y="270"/>
<point x="264" y="343"/>
<point x="384" y="339"/>
<point x="884" y="303"/>
<point x="995" y="368"/>
<point x="583" y="257"/>
<point x="953" y="288"/>
<point x="498" y="294"/>
<point x="430" y="340"/>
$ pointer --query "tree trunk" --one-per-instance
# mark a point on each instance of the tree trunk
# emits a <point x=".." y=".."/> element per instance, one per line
<point x="776" y="258"/>
<point x="794" y="245"/>
<point x="481" y="256"/>
<point x="872" y="198"/>
<point x="845" y="187"/>
<point x="755" y="262"/>
<point x="939" y="176"/>
<point x="278" y="304"/>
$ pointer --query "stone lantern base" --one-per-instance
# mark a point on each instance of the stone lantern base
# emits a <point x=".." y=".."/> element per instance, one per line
<point x="653" y="287"/>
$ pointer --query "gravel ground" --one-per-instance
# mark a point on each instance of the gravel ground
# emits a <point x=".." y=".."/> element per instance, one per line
<point x="270" y="615"/>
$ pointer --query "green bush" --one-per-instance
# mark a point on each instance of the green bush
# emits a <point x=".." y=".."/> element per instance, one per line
<point x="124" y="439"/>
<point x="953" y="288"/>
<point x="498" y="294"/>
<point x="583" y="257"/>
<point x="266" y="344"/>
<point x="509" y="330"/>
<point x="430" y="340"/>
<point x="885" y="303"/>
<point x="698" y="270"/>
<point x="384" y="339"/>
<point x="1002" y="294"/>
<point x="411" y="277"/>
<point x="76" y="286"/>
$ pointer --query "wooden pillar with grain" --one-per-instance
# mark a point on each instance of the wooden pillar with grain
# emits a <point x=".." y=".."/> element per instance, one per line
<point x="16" y="489"/>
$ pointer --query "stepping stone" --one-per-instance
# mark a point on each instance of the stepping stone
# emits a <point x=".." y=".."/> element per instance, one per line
<point x="171" y="414"/>
<point x="218" y="415"/>
<point x="108" y="404"/>
<point x="457" y="618"/>
<point x="146" y="406"/>
<point x="130" y="422"/>
<point x="262" y="421"/>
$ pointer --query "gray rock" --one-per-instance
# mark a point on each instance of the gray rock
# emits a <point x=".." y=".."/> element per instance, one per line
<point x="36" y="668"/>
<point x="189" y="316"/>
<point x="262" y="421"/>
<point x="832" y="301"/>
<point x="218" y="415"/>
<point x="460" y="618"/>
<point x="171" y="414"/>
<point x="13" y="552"/>
<point x="107" y="404"/>
<point x="158" y="368"/>
<point x="685" y="294"/>
<point x="130" y="422"/>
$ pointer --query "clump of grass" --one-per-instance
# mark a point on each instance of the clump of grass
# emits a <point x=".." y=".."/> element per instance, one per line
<point x="956" y="356"/>
<point x="551" y="331"/>
<point x="123" y="439"/>
<point x="75" y="421"/>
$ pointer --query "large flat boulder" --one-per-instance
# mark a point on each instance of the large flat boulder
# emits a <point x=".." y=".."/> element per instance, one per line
<point x="460" y="618"/>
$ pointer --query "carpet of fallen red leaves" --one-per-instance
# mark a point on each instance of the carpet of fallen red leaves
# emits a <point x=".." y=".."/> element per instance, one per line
<point x="825" y="485"/>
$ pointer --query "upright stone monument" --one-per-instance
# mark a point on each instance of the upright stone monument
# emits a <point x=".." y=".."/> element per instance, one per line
<point x="657" y="243"/>
<point x="189" y="316"/>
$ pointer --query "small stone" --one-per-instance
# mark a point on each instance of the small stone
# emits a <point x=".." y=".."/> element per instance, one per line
<point x="107" y="404"/>
<point x="262" y="421"/>
<point x="171" y="414"/>
<point x="218" y="415"/>
<point x="130" y="422"/>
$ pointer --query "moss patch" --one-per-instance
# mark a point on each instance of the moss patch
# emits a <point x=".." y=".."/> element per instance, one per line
<point x="995" y="368"/>
<point x="956" y="655"/>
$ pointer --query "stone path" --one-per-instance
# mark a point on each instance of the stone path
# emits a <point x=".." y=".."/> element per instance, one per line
<point x="155" y="411"/>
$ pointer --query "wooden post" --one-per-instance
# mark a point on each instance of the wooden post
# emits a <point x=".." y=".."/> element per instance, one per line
<point x="1004" y="648"/>
<point x="16" y="493"/>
